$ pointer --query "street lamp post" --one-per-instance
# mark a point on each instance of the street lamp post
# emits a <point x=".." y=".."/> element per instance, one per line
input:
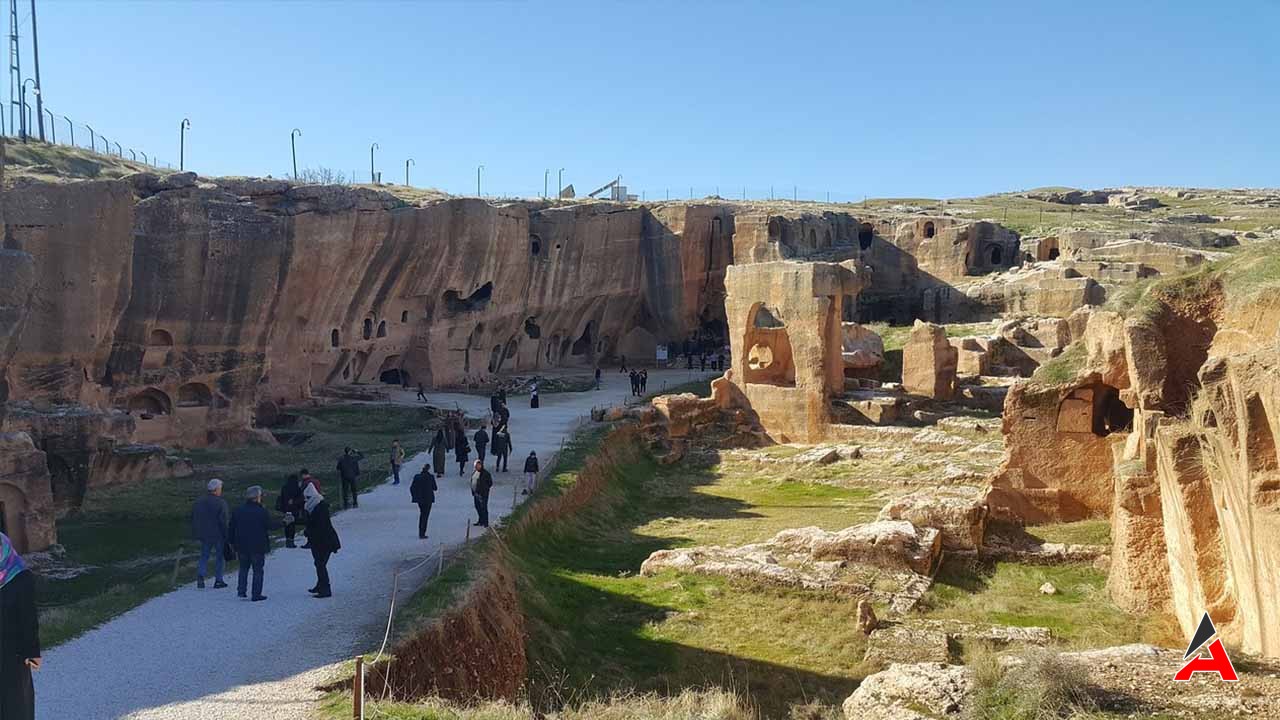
<point x="560" y="183"/>
<point x="182" y="143"/>
<point x="372" y="177"/>
<point x="22" y="107"/>
<point x="478" y="169"/>
<point x="407" y="163"/>
<point x="293" y="148"/>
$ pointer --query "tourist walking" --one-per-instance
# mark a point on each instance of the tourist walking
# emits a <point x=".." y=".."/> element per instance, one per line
<point x="623" y="367"/>
<point x="439" y="452"/>
<point x="502" y="417"/>
<point x="397" y="459"/>
<point x="323" y="539"/>
<point x="644" y="381"/>
<point x="481" y="484"/>
<point x="19" y="635"/>
<point x="702" y="362"/>
<point x="248" y="532"/>
<point x="349" y="473"/>
<point x="597" y="377"/>
<point x="209" y="519"/>
<point x="635" y="383"/>
<point x="422" y="394"/>
<point x="482" y="443"/>
<point x="422" y="492"/>
<point x="530" y="472"/>
<point x="501" y="449"/>
<point x="495" y="402"/>
<point x="289" y="504"/>
<point x="533" y="397"/>
<point x="461" y="452"/>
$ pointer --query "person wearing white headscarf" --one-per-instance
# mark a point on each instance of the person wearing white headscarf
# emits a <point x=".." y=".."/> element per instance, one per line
<point x="19" y="635"/>
<point x="321" y="537"/>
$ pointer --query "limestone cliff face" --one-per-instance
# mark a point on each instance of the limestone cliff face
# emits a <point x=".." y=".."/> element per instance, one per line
<point x="1172" y="420"/>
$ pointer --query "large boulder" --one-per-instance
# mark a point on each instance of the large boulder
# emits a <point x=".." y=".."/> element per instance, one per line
<point x="862" y="349"/>
<point x="920" y="691"/>
<point x="892" y="544"/>
<point x="929" y="362"/>
<point x="959" y="513"/>
<point x="684" y="412"/>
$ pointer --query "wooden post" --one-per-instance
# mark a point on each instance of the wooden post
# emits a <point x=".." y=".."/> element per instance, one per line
<point x="357" y="690"/>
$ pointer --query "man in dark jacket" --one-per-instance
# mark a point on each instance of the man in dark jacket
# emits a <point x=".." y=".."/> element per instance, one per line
<point x="482" y="443"/>
<point x="248" y="532"/>
<point x="349" y="473"/>
<point x="209" y="526"/>
<point x="501" y="449"/>
<point x="530" y="472"/>
<point x="422" y="492"/>
<point x="289" y="504"/>
<point x="481" y="483"/>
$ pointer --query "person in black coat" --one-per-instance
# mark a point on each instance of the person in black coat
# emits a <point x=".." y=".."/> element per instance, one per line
<point x="481" y="484"/>
<point x="502" y="448"/>
<point x="422" y="492"/>
<point x="349" y="472"/>
<point x="248" y="532"/>
<point x="482" y="443"/>
<point x="530" y="472"/>
<point x="19" y="635"/>
<point x="289" y="504"/>
<point x="439" y="449"/>
<point x="322" y="537"/>
<point x="461" y="451"/>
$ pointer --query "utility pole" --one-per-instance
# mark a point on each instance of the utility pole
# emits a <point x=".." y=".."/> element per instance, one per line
<point x="35" y="51"/>
<point x="15" y="71"/>
<point x="372" y="177"/>
<point x="560" y="183"/>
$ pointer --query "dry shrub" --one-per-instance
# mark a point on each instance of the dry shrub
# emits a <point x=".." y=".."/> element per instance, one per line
<point x="1040" y="685"/>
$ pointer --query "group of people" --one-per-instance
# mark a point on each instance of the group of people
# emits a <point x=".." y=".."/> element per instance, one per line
<point x="245" y="532"/>
<point x="717" y="362"/>
<point x="639" y="381"/>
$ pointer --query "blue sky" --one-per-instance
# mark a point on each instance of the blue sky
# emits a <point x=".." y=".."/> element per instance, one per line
<point x="884" y="99"/>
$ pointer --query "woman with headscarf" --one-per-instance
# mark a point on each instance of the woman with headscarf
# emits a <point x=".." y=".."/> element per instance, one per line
<point x="439" y="453"/>
<point x="322" y="538"/>
<point x="19" y="635"/>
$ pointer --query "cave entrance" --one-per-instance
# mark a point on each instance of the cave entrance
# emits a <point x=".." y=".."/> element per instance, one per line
<point x="390" y="373"/>
<point x="67" y="490"/>
<point x="367" y="332"/>
<point x="1095" y="409"/>
<point x="866" y="233"/>
<point x="582" y="346"/>
<point x="995" y="254"/>
<point x="333" y="338"/>
<point x="455" y="304"/>
<point x="1054" y="254"/>
<point x="929" y="230"/>
<point x="150" y="403"/>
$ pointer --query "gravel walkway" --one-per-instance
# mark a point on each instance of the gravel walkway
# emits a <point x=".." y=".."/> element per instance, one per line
<point x="205" y="654"/>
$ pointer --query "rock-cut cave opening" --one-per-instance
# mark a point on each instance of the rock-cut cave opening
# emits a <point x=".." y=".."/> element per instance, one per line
<point x="454" y="303"/>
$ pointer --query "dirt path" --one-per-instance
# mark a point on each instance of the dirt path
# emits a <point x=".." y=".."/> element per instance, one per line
<point x="204" y="654"/>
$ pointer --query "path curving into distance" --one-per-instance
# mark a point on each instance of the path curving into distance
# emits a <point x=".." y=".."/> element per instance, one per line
<point x="206" y="654"/>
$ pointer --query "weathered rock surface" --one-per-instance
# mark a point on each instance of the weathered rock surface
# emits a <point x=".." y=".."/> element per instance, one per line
<point x="920" y="691"/>
<point x="959" y="513"/>
<point x="929" y="362"/>
<point x="887" y="561"/>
